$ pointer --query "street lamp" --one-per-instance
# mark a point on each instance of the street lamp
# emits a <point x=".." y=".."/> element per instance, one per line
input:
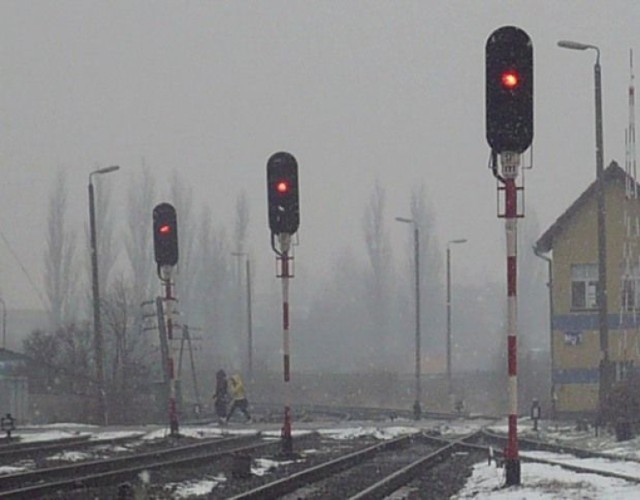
<point x="249" y="321"/>
<point x="97" y="326"/>
<point x="449" y="243"/>
<point x="417" y="411"/>
<point x="605" y="372"/>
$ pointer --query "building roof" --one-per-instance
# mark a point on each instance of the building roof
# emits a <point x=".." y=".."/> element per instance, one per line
<point x="545" y="243"/>
<point x="7" y="355"/>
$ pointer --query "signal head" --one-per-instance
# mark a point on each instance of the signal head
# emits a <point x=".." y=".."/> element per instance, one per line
<point x="165" y="235"/>
<point x="282" y="193"/>
<point x="509" y="90"/>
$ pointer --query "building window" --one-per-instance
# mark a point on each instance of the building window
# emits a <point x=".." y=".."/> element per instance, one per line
<point x="624" y="370"/>
<point x="628" y="294"/>
<point x="631" y="290"/>
<point x="584" y="286"/>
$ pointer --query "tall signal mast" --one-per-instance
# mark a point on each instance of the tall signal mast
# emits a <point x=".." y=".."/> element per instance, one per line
<point x="630" y="141"/>
<point x="630" y="289"/>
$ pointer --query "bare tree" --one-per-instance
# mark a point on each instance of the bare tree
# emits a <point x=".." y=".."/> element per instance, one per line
<point x="130" y="355"/>
<point x="138" y="246"/>
<point x="182" y="197"/>
<point x="337" y="309"/>
<point x="214" y="287"/>
<point x="62" y="360"/>
<point x="60" y="279"/>
<point x="240" y="233"/>
<point x="379" y="279"/>
<point x="431" y="272"/>
<point x="42" y="348"/>
<point x="242" y="221"/>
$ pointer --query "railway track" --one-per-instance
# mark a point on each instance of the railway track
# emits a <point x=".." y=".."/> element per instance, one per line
<point x="304" y="412"/>
<point x="95" y="473"/>
<point x="410" y="463"/>
<point x="565" y="456"/>
<point x="372" y="472"/>
<point x="417" y="463"/>
<point x="31" y="449"/>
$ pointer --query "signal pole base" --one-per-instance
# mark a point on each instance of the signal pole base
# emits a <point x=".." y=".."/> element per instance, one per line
<point x="512" y="470"/>
<point x="286" y="438"/>
<point x="174" y="428"/>
<point x="417" y="410"/>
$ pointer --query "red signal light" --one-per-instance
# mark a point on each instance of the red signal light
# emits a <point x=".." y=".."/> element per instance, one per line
<point x="165" y="229"/>
<point x="282" y="187"/>
<point x="510" y="79"/>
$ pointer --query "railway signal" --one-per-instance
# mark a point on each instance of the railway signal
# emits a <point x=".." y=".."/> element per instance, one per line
<point x="284" y="219"/>
<point x="282" y="193"/>
<point x="509" y="90"/>
<point x="509" y="130"/>
<point x="165" y="235"/>
<point x="165" y="245"/>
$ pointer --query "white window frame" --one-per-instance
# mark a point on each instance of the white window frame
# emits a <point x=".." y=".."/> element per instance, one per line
<point x="584" y="287"/>
<point x="631" y="290"/>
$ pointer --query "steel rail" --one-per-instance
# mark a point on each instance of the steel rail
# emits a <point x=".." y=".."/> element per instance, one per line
<point x="316" y="473"/>
<point x="33" y="447"/>
<point x="558" y="449"/>
<point x="580" y="468"/>
<point x="20" y="445"/>
<point x="399" y="478"/>
<point x="536" y="444"/>
<point x="99" y="472"/>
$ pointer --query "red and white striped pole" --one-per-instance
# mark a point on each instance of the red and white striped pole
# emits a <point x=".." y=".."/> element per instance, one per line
<point x="173" y="406"/>
<point x="287" y="440"/>
<point x="510" y="163"/>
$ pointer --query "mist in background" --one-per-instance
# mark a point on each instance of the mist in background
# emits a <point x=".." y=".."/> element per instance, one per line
<point x="381" y="103"/>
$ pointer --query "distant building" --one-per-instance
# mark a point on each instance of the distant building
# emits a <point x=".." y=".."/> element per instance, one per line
<point x="575" y="342"/>
<point x="14" y="386"/>
<point x="20" y="323"/>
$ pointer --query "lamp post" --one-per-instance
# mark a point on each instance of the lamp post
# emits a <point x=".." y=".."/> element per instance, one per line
<point x="97" y="325"/>
<point x="417" y="410"/>
<point x="605" y="372"/>
<point x="248" y="304"/>
<point x="449" y="380"/>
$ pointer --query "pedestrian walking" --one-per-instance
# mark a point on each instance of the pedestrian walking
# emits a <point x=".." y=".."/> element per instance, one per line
<point x="221" y="396"/>
<point x="238" y="397"/>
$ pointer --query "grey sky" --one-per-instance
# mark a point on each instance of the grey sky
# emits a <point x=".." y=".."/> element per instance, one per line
<point x="357" y="91"/>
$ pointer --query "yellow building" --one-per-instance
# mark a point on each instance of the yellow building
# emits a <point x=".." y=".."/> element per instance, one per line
<point x="575" y="346"/>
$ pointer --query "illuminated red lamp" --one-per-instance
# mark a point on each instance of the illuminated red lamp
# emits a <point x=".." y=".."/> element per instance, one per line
<point x="166" y="229"/>
<point x="282" y="187"/>
<point x="510" y="79"/>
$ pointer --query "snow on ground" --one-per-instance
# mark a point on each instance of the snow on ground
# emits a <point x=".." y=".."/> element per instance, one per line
<point x="359" y="431"/>
<point x="619" y="467"/>
<point x="70" y="456"/>
<point x="262" y="466"/>
<point x="51" y="432"/>
<point x="538" y="481"/>
<point x="47" y="434"/>
<point x="276" y="434"/>
<point x="14" y="469"/>
<point x="188" y="489"/>
<point x="544" y="482"/>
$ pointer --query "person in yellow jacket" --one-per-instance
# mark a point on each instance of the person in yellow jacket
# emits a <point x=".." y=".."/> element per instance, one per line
<point x="239" y="398"/>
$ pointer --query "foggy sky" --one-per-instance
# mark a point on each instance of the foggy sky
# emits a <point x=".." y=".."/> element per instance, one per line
<point x="356" y="91"/>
